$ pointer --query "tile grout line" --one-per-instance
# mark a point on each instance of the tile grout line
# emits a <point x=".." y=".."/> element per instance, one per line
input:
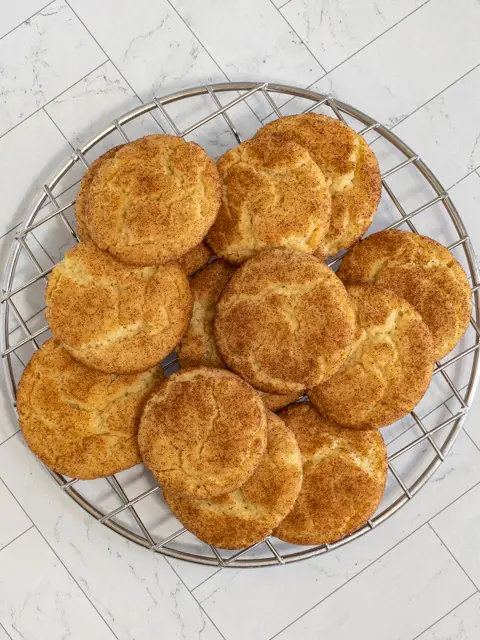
<point x="191" y="593"/>
<point x="464" y="178"/>
<point x="77" y="583"/>
<point x="43" y="207"/>
<point x="22" y="363"/>
<point x="470" y="438"/>
<point x="32" y="526"/>
<point x="453" y="558"/>
<point x="284" y="4"/>
<point x="52" y="100"/>
<point x="380" y="35"/>
<point x="385" y="553"/>
<point x="346" y="582"/>
<point x="10" y="437"/>
<point x="358" y="51"/>
<point x="58" y="558"/>
<point x="73" y="149"/>
<point x="108" y="57"/>
<point x="300" y="39"/>
<point x="58" y="128"/>
<point x="210" y="55"/>
<point x="26" y="19"/>
<point x="450" y="504"/>
<point x="206" y="579"/>
<point x="449" y="86"/>
<point x="8" y="635"/>
<point x="446" y="614"/>
<point x="2" y="481"/>
<point x="199" y="41"/>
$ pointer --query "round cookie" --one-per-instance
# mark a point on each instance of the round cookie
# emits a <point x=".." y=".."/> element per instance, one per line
<point x="81" y="202"/>
<point x="78" y="421"/>
<point x="154" y="200"/>
<point x="388" y="369"/>
<point x="249" y="514"/>
<point x="190" y="262"/>
<point x="274" y="195"/>
<point x="284" y="321"/>
<point x="113" y="317"/>
<point x="197" y="346"/>
<point x="195" y="259"/>
<point x="423" y="272"/>
<point x="203" y="432"/>
<point x="349" y="166"/>
<point x="344" y="475"/>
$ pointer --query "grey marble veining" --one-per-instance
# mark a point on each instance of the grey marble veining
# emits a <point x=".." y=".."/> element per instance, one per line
<point x="66" y="69"/>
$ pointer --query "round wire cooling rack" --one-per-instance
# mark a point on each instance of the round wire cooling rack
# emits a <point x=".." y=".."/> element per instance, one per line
<point x="218" y="117"/>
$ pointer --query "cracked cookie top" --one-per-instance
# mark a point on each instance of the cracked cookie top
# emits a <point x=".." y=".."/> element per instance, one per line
<point x="153" y="200"/>
<point x="81" y="201"/>
<point x="203" y="432"/>
<point x="284" y="321"/>
<point x="422" y="271"/>
<point x="350" y="169"/>
<point x="388" y="369"/>
<point x="344" y="475"/>
<point x="273" y="195"/>
<point x="78" y="421"/>
<point x="114" y="317"/>
<point x="249" y="514"/>
<point x="190" y="262"/>
<point x="197" y="346"/>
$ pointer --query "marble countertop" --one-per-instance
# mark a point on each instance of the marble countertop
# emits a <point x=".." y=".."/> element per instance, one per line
<point x="66" y="69"/>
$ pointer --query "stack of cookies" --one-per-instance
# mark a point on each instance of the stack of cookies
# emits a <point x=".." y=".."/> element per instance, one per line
<point x="261" y="324"/>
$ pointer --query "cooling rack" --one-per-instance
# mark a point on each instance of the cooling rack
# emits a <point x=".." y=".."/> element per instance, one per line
<point x="218" y="117"/>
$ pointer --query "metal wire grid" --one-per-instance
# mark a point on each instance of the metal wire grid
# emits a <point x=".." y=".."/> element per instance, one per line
<point x="269" y="552"/>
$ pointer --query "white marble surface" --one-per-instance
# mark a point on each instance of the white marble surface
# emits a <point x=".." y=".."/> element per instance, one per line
<point x="460" y="624"/>
<point x="66" y="69"/>
<point x="414" y="586"/>
<point x="331" y="29"/>
<point x="40" y="598"/>
<point x="49" y="51"/>
<point x="409" y="64"/>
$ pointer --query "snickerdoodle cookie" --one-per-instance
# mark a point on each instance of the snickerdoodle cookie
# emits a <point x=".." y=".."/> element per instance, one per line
<point x="349" y="166"/>
<point x="423" y="272"/>
<point x="114" y="317"/>
<point x="249" y="514"/>
<point x="195" y="259"/>
<point x="190" y="262"/>
<point x="81" y="202"/>
<point x="274" y="195"/>
<point x="203" y="432"/>
<point x="78" y="421"/>
<point x="153" y="200"/>
<point x="197" y="346"/>
<point x="344" y="475"/>
<point x="284" y="321"/>
<point x="388" y="369"/>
